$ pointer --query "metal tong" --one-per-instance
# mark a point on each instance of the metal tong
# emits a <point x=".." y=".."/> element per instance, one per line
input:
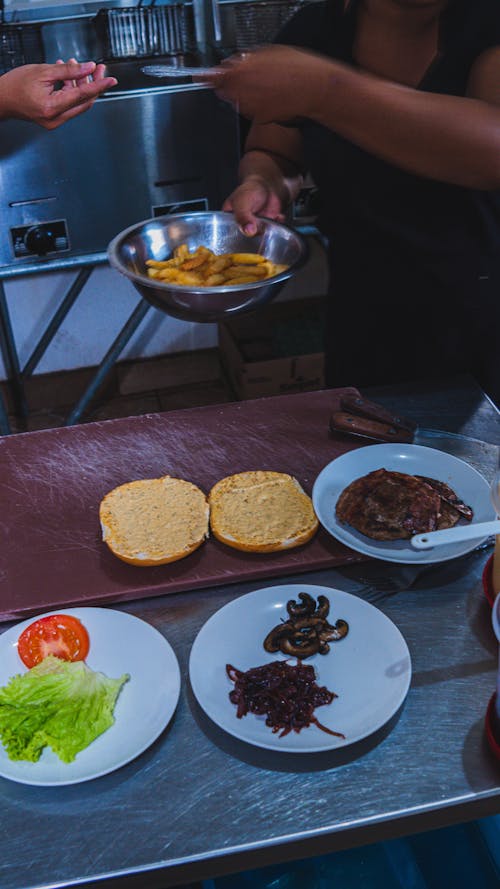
<point x="358" y="416"/>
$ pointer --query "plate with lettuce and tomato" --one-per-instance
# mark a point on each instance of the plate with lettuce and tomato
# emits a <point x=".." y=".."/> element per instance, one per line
<point x="82" y="692"/>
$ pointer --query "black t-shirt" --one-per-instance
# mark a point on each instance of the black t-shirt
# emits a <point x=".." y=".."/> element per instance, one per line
<point x="366" y="200"/>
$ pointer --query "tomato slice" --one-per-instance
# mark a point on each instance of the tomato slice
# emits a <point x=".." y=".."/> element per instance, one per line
<point x="61" y="635"/>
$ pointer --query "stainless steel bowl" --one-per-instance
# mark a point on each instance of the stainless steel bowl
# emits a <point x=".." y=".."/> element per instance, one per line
<point x="157" y="238"/>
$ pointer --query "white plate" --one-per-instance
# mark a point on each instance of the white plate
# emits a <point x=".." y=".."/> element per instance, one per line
<point x="369" y="670"/>
<point x="119" y="643"/>
<point x="467" y="483"/>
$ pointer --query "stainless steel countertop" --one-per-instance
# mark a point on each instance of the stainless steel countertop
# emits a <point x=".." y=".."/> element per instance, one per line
<point x="199" y="803"/>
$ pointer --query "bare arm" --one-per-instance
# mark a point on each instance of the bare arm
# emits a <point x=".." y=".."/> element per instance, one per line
<point x="449" y="138"/>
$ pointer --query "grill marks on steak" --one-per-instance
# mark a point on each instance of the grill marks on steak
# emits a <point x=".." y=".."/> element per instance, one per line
<point x="388" y="505"/>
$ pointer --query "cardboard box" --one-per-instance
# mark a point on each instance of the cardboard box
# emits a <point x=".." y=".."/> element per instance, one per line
<point x="275" y="350"/>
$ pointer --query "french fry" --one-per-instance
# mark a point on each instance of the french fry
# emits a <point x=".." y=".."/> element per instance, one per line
<point x="156" y="263"/>
<point x="194" y="263"/>
<point x="221" y="262"/>
<point x="204" y="268"/>
<point x="247" y="258"/>
<point x="167" y="274"/>
<point x="241" y="279"/>
<point x="181" y="252"/>
<point x="214" y="280"/>
<point x="234" y="270"/>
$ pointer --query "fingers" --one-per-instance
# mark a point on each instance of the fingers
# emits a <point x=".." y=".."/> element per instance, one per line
<point x="77" y="74"/>
<point x="73" y="100"/>
<point x="245" y="218"/>
<point x="99" y="73"/>
<point x="71" y="70"/>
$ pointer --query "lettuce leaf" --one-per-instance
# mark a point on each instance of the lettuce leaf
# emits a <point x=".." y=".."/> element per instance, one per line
<point x="60" y="704"/>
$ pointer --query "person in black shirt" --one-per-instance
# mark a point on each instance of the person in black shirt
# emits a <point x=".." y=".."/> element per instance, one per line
<point x="394" y="108"/>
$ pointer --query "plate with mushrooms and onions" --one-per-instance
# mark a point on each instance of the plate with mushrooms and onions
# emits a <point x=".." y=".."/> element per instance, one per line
<point x="300" y="668"/>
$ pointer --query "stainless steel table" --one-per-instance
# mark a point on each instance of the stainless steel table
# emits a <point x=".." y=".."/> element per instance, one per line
<point x="199" y="803"/>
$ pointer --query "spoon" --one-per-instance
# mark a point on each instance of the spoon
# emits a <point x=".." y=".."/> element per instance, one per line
<point x="455" y="535"/>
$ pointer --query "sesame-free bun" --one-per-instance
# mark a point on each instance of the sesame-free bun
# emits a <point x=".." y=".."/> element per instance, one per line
<point x="261" y="511"/>
<point x="154" y="521"/>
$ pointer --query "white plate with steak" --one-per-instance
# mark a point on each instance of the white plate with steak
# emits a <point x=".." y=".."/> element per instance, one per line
<point x="374" y="499"/>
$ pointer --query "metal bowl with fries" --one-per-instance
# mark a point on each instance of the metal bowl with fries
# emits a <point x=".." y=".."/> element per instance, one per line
<point x="201" y="267"/>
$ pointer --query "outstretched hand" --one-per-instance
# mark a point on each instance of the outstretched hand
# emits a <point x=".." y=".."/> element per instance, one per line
<point x="49" y="95"/>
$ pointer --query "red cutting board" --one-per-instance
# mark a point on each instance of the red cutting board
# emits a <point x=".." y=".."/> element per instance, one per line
<point x="51" y="484"/>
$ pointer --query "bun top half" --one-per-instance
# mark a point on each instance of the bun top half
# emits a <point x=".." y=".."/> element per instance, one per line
<point x="261" y="511"/>
<point x="154" y="521"/>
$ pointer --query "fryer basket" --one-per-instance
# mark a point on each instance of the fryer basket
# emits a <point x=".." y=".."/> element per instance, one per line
<point x="138" y="31"/>
<point x="245" y="25"/>
<point x="20" y="45"/>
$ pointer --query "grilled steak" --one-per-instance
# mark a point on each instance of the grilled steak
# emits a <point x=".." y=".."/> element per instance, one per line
<point x="387" y="505"/>
<point x="448" y="496"/>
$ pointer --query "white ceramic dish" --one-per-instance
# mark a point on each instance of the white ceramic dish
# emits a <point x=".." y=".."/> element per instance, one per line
<point x="467" y="483"/>
<point x="369" y="670"/>
<point x="119" y="643"/>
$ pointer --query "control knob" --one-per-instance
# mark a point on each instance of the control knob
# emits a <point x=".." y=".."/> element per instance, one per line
<point x="40" y="239"/>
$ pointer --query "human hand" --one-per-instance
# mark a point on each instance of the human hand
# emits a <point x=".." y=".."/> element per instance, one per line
<point x="34" y="92"/>
<point x="253" y="198"/>
<point x="271" y="84"/>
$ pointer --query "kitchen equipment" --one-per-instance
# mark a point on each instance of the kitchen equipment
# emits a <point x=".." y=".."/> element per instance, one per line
<point x="455" y="535"/>
<point x="245" y="25"/>
<point x="359" y="416"/>
<point x="137" y="31"/>
<point x="171" y="147"/>
<point x="59" y="210"/>
<point x="366" y="419"/>
<point x="19" y="45"/>
<point x="157" y="238"/>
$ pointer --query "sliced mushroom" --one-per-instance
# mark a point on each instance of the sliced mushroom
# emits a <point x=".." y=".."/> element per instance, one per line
<point x="333" y="634"/>
<point x="273" y="638"/>
<point x="323" y="608"/>
<point x="307" y="607"/>
<point x="300" y="645"/>
<point x="304" y="622"/>
<point x="307" y="631"/>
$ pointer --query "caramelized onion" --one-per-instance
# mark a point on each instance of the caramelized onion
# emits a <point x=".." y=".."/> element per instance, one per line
<point x="286" y="694"/>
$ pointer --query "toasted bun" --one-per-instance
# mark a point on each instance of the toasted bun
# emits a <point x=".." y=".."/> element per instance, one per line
<point x="261" y="512"/>
<point x="154" y="521"/>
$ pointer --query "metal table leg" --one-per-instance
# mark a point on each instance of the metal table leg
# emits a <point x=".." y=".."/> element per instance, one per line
<point x="56" y="321"/>
<point x="11" y="358"/>
<point x="4" y="418"/>
<point x="17" y="376"/>
<point x="108" y="361"/>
